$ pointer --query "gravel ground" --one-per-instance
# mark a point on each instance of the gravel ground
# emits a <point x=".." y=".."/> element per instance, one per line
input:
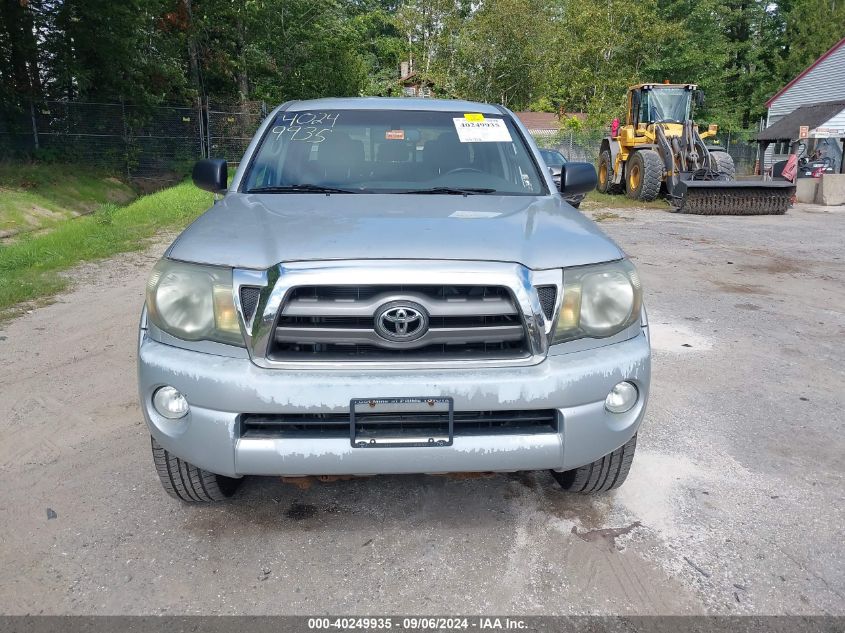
<point x="734" y="504"/>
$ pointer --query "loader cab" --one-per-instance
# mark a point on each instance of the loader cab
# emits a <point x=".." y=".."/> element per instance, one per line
<point x="659" y="103"/>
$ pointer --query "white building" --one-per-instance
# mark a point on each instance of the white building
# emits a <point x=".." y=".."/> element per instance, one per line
<point x="814" y="100"/>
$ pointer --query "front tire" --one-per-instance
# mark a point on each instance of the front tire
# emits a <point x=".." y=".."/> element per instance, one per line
<point x="724" y="164"/>
<point x="643" y="175"/>
<point x="602" y="475"/>
<point x="605" y="174"/>
<point x="188" y="483"/>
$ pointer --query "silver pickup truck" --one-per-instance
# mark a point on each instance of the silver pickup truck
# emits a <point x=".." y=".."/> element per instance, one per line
<point x="392" y="286"/>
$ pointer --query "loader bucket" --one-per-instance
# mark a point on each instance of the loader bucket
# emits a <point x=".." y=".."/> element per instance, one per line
<point x="734" y="197"/>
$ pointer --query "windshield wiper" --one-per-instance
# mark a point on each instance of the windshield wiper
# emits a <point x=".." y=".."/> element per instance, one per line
<point x="304" y="188"/>
<point x="458" y="191"/>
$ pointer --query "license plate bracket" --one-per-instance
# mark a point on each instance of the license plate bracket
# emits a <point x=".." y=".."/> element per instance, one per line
<point x="401" y="422"/>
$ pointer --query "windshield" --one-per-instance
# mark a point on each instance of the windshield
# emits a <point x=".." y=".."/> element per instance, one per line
<point x="665" y="105"/>
<point x="552" y="158"/>
<point x="379" y="151"/>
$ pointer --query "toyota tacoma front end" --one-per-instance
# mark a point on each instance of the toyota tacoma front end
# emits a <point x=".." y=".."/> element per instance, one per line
<point x="392" y="286"/>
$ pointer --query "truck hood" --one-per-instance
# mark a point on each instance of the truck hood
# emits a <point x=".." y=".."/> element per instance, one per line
<point x="259" y="230"/>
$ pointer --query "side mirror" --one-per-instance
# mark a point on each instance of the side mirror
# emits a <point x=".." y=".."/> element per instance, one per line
<point x="578" y="178"/>
<point x="211" y="174"/>
<point x="698" y="96"/>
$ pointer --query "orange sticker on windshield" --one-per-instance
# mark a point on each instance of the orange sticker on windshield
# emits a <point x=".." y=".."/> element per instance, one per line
<point x="395" y="135"/>
<point x="474" y="116"/>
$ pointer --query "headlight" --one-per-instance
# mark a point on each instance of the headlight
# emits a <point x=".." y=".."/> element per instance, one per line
<point x="193" y="302"/>
<point x="598" y="301"/>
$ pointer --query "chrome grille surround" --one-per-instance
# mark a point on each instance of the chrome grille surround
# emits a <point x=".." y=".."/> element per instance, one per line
<point x="279" y="282"/>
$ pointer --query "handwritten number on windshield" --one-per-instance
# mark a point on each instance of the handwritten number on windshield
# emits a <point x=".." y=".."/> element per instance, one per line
<point x="300" y="133"/>
<point x="317" y="119"/>
<point x="305" y="126"/>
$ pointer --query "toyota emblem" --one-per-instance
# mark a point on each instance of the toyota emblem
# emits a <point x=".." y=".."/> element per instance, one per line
<point x="401" y="321"/>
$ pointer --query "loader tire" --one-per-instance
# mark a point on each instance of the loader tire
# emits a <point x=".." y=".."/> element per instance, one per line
<point x="602" y="475"/>
<point x="605" y="176"/>
<point x="644" y="175"/>
<point x="188" y="483"/>
<point x="724" y="164"/>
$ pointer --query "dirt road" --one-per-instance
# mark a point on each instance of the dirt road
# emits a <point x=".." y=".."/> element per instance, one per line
<point x="734" y="505"/>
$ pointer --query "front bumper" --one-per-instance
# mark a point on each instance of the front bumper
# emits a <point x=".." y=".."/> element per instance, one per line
<point x="219" y="389"/>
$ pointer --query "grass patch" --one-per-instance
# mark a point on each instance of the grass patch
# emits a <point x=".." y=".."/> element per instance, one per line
<point x="604" y="216"/>
<point x="29" y="268"/>
<point x="596" y="200"/>
<point x="36" y="196"/>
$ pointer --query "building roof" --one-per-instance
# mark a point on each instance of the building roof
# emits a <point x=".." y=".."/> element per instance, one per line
<point x="414" y="78"/>
<point x="539" y="120"/>
<point x="787" y="128"/>
<point x="800" y="75"/>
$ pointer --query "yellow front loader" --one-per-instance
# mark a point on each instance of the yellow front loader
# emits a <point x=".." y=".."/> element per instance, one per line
<point x="659" y="150"/>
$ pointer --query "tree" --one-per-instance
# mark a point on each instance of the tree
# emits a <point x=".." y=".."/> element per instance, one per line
<point x="603" y="46"/>
<point x="303" y="49"/>
<point x="744" y="24"/>
<point x="381" y="48"/>
<point x="20" y="74"/>
<point x="424" y="23"/>
<point x="575" y="55"/>
<point x="696" y="52"/>
<point x="811" y="27"/>
<point x="503" y="52"/>
<point x="109" y="51"/>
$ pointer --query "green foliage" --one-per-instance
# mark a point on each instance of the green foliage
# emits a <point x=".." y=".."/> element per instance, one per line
<point x="605" y="46"/>
<point x="811" y="28"/>
<point x="543" y="104"/>
<point x="574" y="55"/>
<point x="36" y="196"/>
<point x="697" y="53"/>
<point x="29" y="268"/>
<point x="380" y="47"/>
<point x="503" y="52"/>
<point x="105" y="214"/>
<point x="572" y="124"/>
<point x="596" y="201"/>
<point x="109" y="51"/>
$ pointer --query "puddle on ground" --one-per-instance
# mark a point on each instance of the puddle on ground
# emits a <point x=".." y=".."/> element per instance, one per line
<point x="741" y="289"/>
<point x="605" y="537"/>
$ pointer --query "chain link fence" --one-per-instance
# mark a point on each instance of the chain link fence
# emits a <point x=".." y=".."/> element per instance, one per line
<point x="585" y="146"/>
<point x="745" y="154"/>
<point x="576" y="146"/>
<point x="162" y="142"/>
<point x="142" y="143"/>
<point x="231" y="126"/>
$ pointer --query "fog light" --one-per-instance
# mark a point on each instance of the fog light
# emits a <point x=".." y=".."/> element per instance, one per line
<point x="621" y="398"/>
<point x="170" y="403"/>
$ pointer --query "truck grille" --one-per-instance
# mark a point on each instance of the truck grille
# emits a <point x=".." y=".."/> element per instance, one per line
<point x="263" y="426"/>
<point x="547" y="296"/>
<point x="338" y="323"/>
<point x="249" y="300"/>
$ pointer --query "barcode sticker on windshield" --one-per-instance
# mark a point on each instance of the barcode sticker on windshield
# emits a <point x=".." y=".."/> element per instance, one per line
<point x="486" y="131"/>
